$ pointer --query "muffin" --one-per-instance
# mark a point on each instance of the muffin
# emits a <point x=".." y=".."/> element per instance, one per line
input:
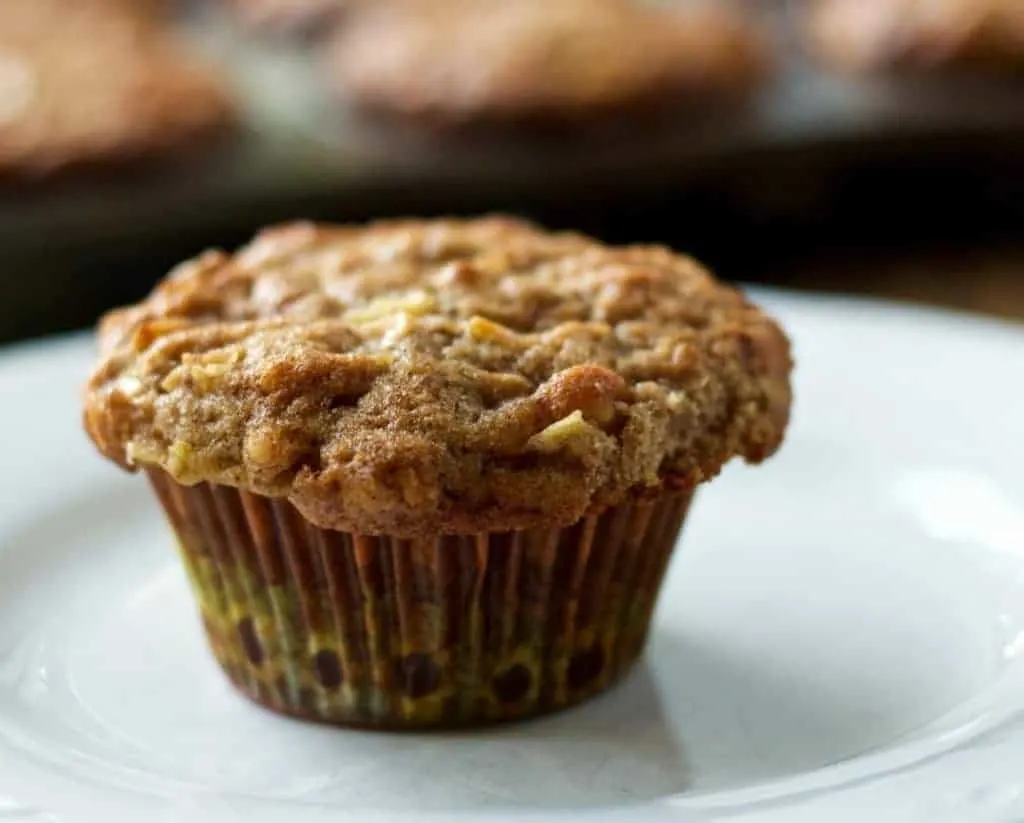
<point x="287" y="15"/>
<point x="98" y="83"/>
<point x="431" y="473"/>
<point x="465" y="62"/>
<point x="918" y="35"/>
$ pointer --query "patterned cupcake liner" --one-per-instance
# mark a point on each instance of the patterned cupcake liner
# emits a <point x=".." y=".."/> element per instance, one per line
<point x="449" y="631"/>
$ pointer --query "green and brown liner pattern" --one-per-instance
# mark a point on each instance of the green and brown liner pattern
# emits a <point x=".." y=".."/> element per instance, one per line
<point x="455" y="630"/>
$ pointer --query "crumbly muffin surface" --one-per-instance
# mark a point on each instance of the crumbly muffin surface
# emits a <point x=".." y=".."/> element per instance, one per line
<point x="467" y="61"/>
<point x="450" y="376"/>
<point x="866" y="35"/>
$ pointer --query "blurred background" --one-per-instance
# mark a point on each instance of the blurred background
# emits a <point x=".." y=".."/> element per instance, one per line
<point x="867" y="146"/>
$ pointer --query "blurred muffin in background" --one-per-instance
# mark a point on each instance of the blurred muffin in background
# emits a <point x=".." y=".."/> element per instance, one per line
<point x="87" y="83"/>
<point x="286" y="15"/>
<point x="915" y="35"/>
<point x="462" y="62"/>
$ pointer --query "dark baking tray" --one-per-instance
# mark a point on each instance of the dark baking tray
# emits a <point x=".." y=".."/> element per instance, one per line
<point x="811" y="157"/>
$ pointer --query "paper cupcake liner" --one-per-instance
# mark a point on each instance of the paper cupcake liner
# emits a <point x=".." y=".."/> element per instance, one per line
<point x="448" y="631"/>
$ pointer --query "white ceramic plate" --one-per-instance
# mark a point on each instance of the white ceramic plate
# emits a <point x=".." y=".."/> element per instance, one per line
<point x="840" y="638"/>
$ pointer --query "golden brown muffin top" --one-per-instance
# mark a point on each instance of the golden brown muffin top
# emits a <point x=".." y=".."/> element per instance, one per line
<point x="86" y="82"/>
<point x="443" y="376"/>
<point x="866" y="35"/>
<point x="462" y="61"/>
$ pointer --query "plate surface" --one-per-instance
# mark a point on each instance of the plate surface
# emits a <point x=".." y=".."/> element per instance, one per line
<point x="840" y="637"/>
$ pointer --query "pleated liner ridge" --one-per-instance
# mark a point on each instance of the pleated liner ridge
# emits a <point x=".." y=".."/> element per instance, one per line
<point x="392" y="633"/>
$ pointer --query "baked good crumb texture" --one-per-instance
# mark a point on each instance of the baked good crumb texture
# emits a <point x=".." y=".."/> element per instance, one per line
<point x="414" y="378"/>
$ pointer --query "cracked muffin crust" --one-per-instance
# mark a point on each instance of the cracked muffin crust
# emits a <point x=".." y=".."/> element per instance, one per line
<point x="869" y="35"/>
<point x="428" y="377"/>
<point x="99" y="82"/>
<point x="465" y="61"/>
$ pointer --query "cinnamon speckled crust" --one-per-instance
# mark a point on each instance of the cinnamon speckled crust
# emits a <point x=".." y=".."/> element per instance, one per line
<point x="868" y="35"/>
<point x="465" y="61"/>
<point x="415" y="378"/>
<point x="98" y="82"/>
